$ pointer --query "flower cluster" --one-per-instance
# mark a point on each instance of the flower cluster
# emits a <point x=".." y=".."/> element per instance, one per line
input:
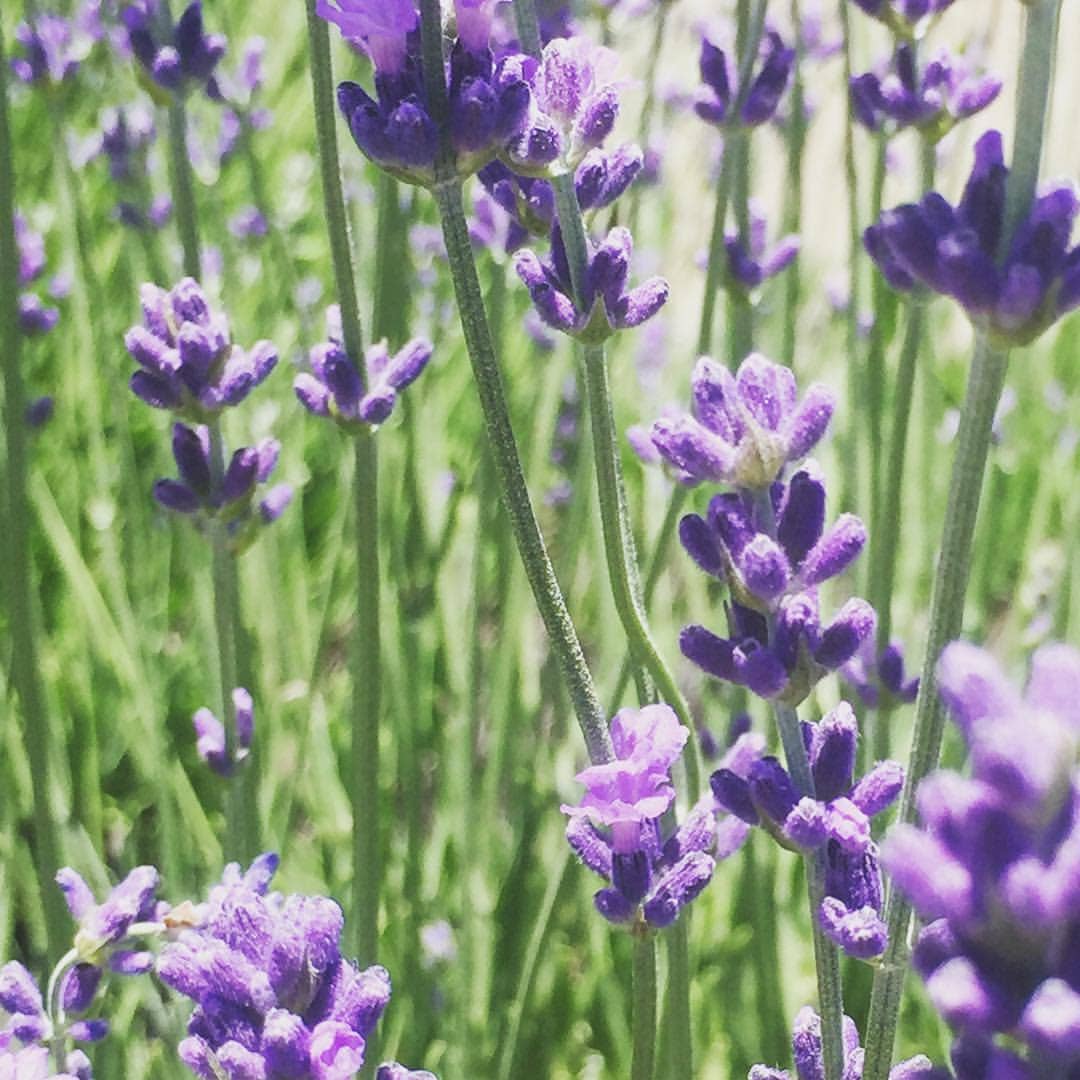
<point x="745" y="428"/>
<point x="232" y="497"/>
<point x="879" y="677"/>
<point x="836" y="817"/>
<point x="993" y="868"/>
<point x="273" y="995"/>
<point x="948" y="91"/>
<point x="24" y="1053"/>
<point x="488" y="100"/>
<point x="34" y="316"/>
<point x="52" y="50"/>
<point x="608" y="306"/>
<point x="188" y="362"/>
<point x="807" y="1053"/>
<point x="336" y="389"/>
<point x="210" y="734"/>
<point x="903" y="17"/>
<point x="721" y="101"/>
<point x="180" y="58"/>
<point x="126" y="137"/>
<point x="752" y="262"/>
<point x="777" y="646"/>
<point x="616" y="830"/>
<point x="573" y="107"/>
<point x="1014" y="294"/>
<point x="599" y="180"/>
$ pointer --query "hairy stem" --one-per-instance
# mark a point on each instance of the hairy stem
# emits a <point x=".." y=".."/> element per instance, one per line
<point x="365" y="654"/>
<point x="643" y="1061"/>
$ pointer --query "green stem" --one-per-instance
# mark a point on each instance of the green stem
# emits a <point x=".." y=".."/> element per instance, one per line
<point x="643" y="1062"/>
<point x="470" y="301"/>
<point x="985" y="383"/>
<point x="365" y="652"/>
<point x="885" y="534"/>
<point x="715" y="269"/>
<point x="19" y="573"/>
<point x="183" y="189"/>
<point x="873" y="381"/>
<point x="793" y="217"/>
<point x="851" y="172"/>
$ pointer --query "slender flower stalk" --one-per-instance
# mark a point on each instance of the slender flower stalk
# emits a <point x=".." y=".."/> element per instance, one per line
<point x="796" y="153"/>
<point x="985" y="383"/>
<point x="643" y="1061"/>
<point x="749" y="43"/>
<point x="541" y="574"/>
<point x="241" y="813"/>
<point x="19" y="575"/>
<point x="885" y="529"/>
<point x="365" y="654"/>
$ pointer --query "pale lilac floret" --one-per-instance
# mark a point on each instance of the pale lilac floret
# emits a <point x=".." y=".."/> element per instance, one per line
<point x="210" y="734"/>
<point x="381" y="26"/>
<point x="744" y="428"/>
<point x="616" y="829"/>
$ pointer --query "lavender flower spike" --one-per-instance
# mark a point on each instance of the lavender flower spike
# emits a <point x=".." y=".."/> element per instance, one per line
<point x="752" y="263"/>
<point x="838" y="818"/>
<point x="608" y="305"/>
<point x="744" y="429"/>
<point x="616" y="829"/>
<point x="955" y="251"/>
<point x="273" y="995"/>
<point x="760" y="99"/>
<point x="808" y="1055"/>
<point x="903" y="17"/>
<point x="52" y="50"/>
<point x="993" y="868"/>
<point x="334" y="387"/>
<point x="489" y="101"/>
<point x="188" y="363"/>
<point x="181" y="59"/>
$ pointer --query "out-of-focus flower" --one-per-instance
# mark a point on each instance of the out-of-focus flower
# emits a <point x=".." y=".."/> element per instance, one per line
<point x="993" y="869"/>
<point x="949" y="90"/>
<point x="758" y="102"/>
<point x="35" y="317"/>
<point x="808" y="1055"/>
<point x="750" y="260"/>
<point x="188" y="363"/>
<point x="210" y="733"/>
<point x="877" y="675"/>
<point x="903" y="17"/>
<point x="178" y="58"/>
<point x="52" y="48"/>
<point x="955" y="251"/>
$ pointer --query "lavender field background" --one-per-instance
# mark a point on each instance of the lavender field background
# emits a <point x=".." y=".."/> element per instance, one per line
<point x="501" y="966"/>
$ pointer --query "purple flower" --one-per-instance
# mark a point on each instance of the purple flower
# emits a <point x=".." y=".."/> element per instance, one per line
<point x="807" y="1053"/>
<point x="131" y="907"/>
<point x="393" y="1071"/>
<point x="52" y="50"/>
<point x="608" y="304"/>
<point x="744" y="428"/>
<point x="35" y="317"/>
<point x="877" y="675"/>
<point x="232" y="497"/>
<point x="188" y="363"/>
<point x="489" y="100"/>
<point x="126" y="135"/>
<point x="210" y="733"/>
<point x="837" y="817"/>
<point x="758" y="102"/>
<point x="903" y="17"/>
<point x="273" y="994"/>
<point x="993" y="867"/>
<point x="616" y="829"/>
<point x="248" y="223"/>
<point x="750" y="260"/>
<point x="948" y="91"/>
<point x="955" y="251"/>
<point x="334" y="387"/>
<point x="178" y="57"/>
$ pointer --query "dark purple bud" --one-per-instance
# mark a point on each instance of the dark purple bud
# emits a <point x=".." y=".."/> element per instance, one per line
<point x="769" y="86"/>
<point x="631" y="874"/>
<point x="832" y="752"/>
<point x="176" y="496"/>
<point x="803" y="515"/>
<point x="764" y="568"/>
<point x="772" y="789"/>
<point x="640" y="304"/>
<point x="732" y="793"/>
<point x="597" y="118"/>
<point x="191" y="450"/>
<point x="835" y="552"/>
<point x="879" y="788"/>
<point x="240" y="476"/>
<point x="79" y="987"/>
<point x="472" y="115"/>
<point x="840" y="640"/>
<point x="411" y="136"/>
<point x="714" y="655"/>
<point x="312" y="394"/>
<point x="589" y="846"/>
<point x="861" y="933"/>
<point x="409" y="363"/>
<point x="700" y="544"/>
<point x="275" y="502"/>
<point x="692" y="448"/>
<point x="614" y="906"/>
<point x="935" y="944"/>
<point x="678" y="887"/>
